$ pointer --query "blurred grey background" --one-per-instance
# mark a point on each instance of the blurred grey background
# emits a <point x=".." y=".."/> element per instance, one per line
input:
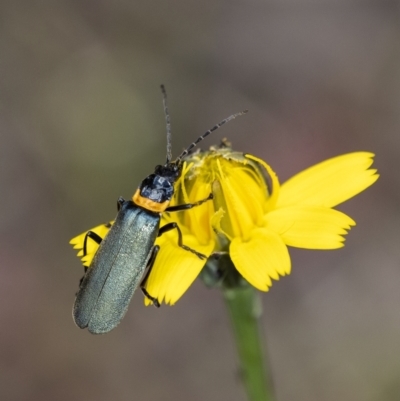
<point x="81" y="123"/>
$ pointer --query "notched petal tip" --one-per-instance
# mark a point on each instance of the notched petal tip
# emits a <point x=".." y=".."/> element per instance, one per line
<point x="260" y="259"/>
<point x="310" y="227"/>
<point x="147" y="301"/>
<point x="330" y="182"/>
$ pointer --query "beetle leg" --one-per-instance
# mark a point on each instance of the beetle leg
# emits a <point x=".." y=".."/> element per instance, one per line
<point x="120" y="201"/>
<point x="187" y="206"/>
<point x="92" y="235"/>
<point x="80" y="281"/>
<point x="146" y="276"/>
<point x="96" y="238"/>
<point x="150" y="264"/>
<point x="171" y="226"/>
<point x="218" y="255"/>
<point x="147" y="295"/>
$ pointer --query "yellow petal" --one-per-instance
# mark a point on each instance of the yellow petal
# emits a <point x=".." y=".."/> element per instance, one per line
<point x="262" y="257"/>
<point x="175" y="269"/>
<point x="228" y="195"/>
<point x="310" y="227"/>
<point x="234" y="190"/>
<point x="330" y="182"/>
<point x="197" y="219"/>
<point x="274" y="181"/>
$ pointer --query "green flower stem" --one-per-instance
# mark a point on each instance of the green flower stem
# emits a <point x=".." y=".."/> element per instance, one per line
<point x="245" y="310"/>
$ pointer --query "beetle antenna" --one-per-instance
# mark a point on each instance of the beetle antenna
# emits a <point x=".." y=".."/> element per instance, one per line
<point x="200" y="138"/>
<point x="169" y="136"/>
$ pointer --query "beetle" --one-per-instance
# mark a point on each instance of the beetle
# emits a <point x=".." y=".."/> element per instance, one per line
<point x="127" y="253"/>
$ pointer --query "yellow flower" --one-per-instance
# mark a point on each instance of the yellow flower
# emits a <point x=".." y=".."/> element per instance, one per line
<point x="254" y="218"/>
<point x="251" y="217"/>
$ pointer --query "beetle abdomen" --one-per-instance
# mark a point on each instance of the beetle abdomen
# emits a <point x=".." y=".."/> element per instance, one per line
<point x="116" y="269"/>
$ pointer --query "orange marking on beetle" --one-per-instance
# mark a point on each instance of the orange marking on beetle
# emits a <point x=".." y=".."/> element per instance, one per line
<point x="148" y="204"/>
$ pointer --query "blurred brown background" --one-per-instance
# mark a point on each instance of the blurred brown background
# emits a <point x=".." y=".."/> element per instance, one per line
<point x="81" y="123"/>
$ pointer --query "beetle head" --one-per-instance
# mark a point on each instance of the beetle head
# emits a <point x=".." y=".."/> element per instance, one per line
<point x="159" y="186"/>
